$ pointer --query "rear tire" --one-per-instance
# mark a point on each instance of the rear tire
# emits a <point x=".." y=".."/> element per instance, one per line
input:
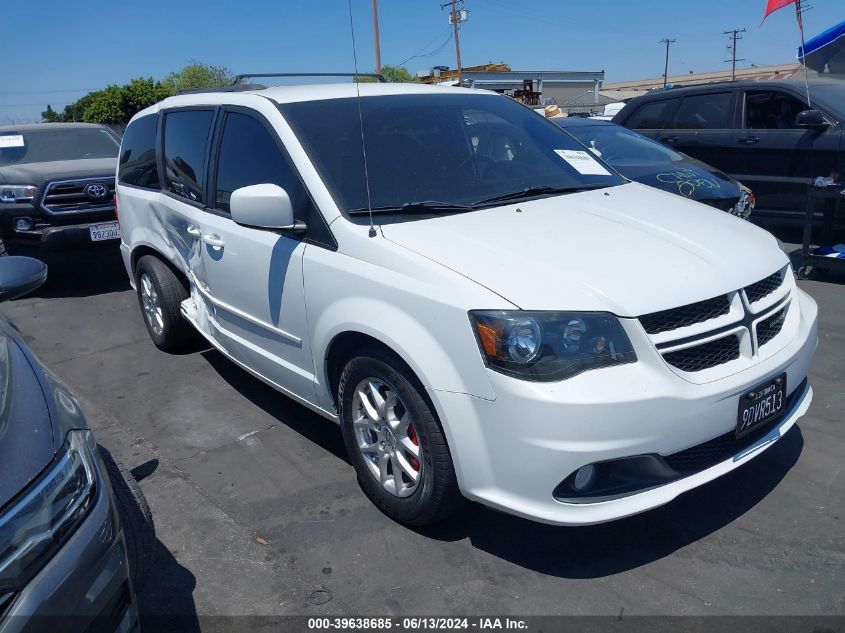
<point x="435" y="494"/>
<point x="160" y="297"/>
<point x="135" y="519"/>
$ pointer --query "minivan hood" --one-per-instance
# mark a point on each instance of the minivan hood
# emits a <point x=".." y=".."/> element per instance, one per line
<point x="629" y="250"/>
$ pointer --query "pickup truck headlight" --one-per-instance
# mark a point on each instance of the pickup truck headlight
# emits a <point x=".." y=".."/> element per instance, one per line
<point x="550" y="346"/>
<point x="17" y="193"/>
<point x="38" y="524"/>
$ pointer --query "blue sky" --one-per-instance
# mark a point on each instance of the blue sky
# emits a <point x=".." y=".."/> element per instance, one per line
<point x="54" y="51"/>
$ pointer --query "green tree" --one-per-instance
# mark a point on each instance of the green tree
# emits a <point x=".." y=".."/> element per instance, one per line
<point x="105" y="106"/>
<point x="76" y="110"/>
<point x="197" y="75"/>
<point x="142" y="93"/>
<point x="50" y="116"/>
<point x="391" y="74"/>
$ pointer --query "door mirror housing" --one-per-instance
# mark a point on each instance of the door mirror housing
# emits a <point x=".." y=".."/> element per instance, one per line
<point x="811" y="120"/>
<point x="20" y="275"/>
<point x="264" y="206"/>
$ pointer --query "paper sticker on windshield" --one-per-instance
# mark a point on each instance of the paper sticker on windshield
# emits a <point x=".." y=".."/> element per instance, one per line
<point x="11" y="140"/>
<point x="583" y="162"/>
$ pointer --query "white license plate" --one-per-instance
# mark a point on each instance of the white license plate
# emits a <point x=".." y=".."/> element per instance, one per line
<point x="105" y="231"/>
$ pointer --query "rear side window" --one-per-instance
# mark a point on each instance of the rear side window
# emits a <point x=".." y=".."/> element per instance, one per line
<point x="653" y="116"/>
<point x="138" y="165"/>
<point x="185" y="142"/>
<point x="771" y="110"/>
<point x="249" y="155"/>
<point x="704" y="112"/>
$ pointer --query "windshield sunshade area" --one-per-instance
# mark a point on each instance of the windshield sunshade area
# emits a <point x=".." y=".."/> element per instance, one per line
<point x="44" y="146"/>
<point x="459" y="149"/>
<point x="620" y="146"/>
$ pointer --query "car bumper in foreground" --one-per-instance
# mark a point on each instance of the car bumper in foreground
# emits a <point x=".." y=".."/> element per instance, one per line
<point x="515" y="453"/>
<point x="85" y="587"/>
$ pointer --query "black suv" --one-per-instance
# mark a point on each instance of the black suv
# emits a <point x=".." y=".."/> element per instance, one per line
<point x="761" y="133"/>
<point x="57" y="185"/>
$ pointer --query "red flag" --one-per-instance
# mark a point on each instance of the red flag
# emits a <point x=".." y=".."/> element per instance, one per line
<point x="774" y="5"/>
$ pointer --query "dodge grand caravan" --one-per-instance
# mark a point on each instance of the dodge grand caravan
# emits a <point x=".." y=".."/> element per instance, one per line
<point x="501" y="319"/>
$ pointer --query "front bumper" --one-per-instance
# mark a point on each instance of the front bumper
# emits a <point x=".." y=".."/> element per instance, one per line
<point x="52" y="233"/>
<point x="85" y="586"/>
<point x="511" y="453"/>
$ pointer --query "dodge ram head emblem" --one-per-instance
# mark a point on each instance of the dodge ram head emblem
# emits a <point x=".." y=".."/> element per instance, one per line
<point x="96" y="191"/>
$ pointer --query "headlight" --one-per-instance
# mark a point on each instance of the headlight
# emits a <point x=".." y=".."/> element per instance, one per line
<point x="16" y="193"/>
<point x="35" y="526"/>
<point x="547" y="346"/>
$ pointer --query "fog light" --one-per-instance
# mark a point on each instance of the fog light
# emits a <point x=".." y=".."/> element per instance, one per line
<point x="584" y="477"/>
<point x="23" y="224"/>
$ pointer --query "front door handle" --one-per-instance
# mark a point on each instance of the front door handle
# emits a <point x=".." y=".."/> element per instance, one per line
<point x="670" y="139"/>
<point x="213" y="240"/>
<point x="749" y="140"/>
<point x="193" y="231"/>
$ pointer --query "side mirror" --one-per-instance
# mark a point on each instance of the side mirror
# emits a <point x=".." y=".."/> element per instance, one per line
<point x="811" y="120"/>
<point x="264" y="206"/>
<point x="20" y="275"/>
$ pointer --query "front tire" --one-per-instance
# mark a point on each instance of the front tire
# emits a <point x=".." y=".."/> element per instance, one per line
<point x="395" y="442"/>
<point x="160" y="296"/>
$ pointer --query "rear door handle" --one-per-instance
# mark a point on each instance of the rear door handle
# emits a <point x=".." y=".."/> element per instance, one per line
<point x="193" y="231"/>
<point x="748" y="140"/>
<point x="213" y="240"/>
<point x="670" y="139"/>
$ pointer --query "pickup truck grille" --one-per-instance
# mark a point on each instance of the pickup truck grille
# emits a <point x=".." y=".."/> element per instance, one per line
<point x="78" y="196"/>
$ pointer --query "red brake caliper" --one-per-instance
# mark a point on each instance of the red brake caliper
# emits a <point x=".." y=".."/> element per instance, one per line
<point x="412" y="435"/>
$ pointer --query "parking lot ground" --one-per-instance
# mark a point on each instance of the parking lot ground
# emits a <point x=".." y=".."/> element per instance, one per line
<point x="258" y="512"/>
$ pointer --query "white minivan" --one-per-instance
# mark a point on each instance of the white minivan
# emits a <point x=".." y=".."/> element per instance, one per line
<point x="487" y="310"/>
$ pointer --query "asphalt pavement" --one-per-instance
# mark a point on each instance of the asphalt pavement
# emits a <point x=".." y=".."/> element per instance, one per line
<point x="258" y="512"/>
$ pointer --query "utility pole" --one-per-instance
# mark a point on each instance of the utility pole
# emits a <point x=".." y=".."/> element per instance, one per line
<point x="666" y="41"/>
<point x="456" y="18"/>
<point x="375" y="34"/>
<point x="735" y="35"/>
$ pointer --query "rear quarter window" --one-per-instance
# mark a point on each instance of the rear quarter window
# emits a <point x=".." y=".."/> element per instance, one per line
<point x="186" y="135"/>
<point x="138" y="165"/>
<point x="655" y="115"/>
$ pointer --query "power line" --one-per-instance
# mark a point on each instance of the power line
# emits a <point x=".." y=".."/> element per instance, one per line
<point x="429" y="54"/>
<point x="735" y="35"/>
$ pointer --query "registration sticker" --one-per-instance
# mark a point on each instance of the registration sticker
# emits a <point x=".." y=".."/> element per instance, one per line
<point x="11" y="140"/>
<point x="583" y="162"/>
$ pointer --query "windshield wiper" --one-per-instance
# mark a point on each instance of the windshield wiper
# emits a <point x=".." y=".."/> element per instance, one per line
<point x="425" y="206"/>
<point x="532" y="192"/>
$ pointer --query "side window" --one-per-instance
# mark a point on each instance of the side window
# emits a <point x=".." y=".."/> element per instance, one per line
<point x="771" y="110"/>
<point x="652" y="116"/>
<point x="138" y="164"/>
<point x="249" y="155"/>
<point x="185" y="141"/>
<point x="705" y="112"/>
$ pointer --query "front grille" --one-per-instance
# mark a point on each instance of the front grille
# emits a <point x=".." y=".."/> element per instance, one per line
<point x="703" y="456"/>
<point x="764" y="287"/>
<point x="675" y="318"/>
<point x="771" y="327"/>
<point x="705" y="356"/>
<point x="70" y="196"/>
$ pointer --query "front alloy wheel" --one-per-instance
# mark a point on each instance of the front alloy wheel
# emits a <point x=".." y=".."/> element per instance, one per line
<point x="386" y="437"/>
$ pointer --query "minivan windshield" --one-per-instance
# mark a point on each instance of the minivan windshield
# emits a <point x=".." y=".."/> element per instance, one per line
<point x="48" y="145"/>
<point x="440" y="153"/>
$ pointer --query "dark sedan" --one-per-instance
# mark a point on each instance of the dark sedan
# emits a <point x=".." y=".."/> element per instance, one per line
<point x="646" y="161"/>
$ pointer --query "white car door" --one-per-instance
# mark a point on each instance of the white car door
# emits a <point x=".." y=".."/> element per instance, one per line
<point x="253" y="277"/>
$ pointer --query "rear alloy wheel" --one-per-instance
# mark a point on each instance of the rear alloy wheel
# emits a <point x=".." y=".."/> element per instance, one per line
<point x="395" y="441"/>
<point x="160" y="296"/>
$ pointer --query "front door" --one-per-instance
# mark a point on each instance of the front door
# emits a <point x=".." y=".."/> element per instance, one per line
<point x="780" y="160"/>
<point x="253" y="277"/>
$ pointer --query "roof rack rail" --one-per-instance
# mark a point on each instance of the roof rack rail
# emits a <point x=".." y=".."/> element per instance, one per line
<point x="240" y="78"/>
<point x="230" y="88"/>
